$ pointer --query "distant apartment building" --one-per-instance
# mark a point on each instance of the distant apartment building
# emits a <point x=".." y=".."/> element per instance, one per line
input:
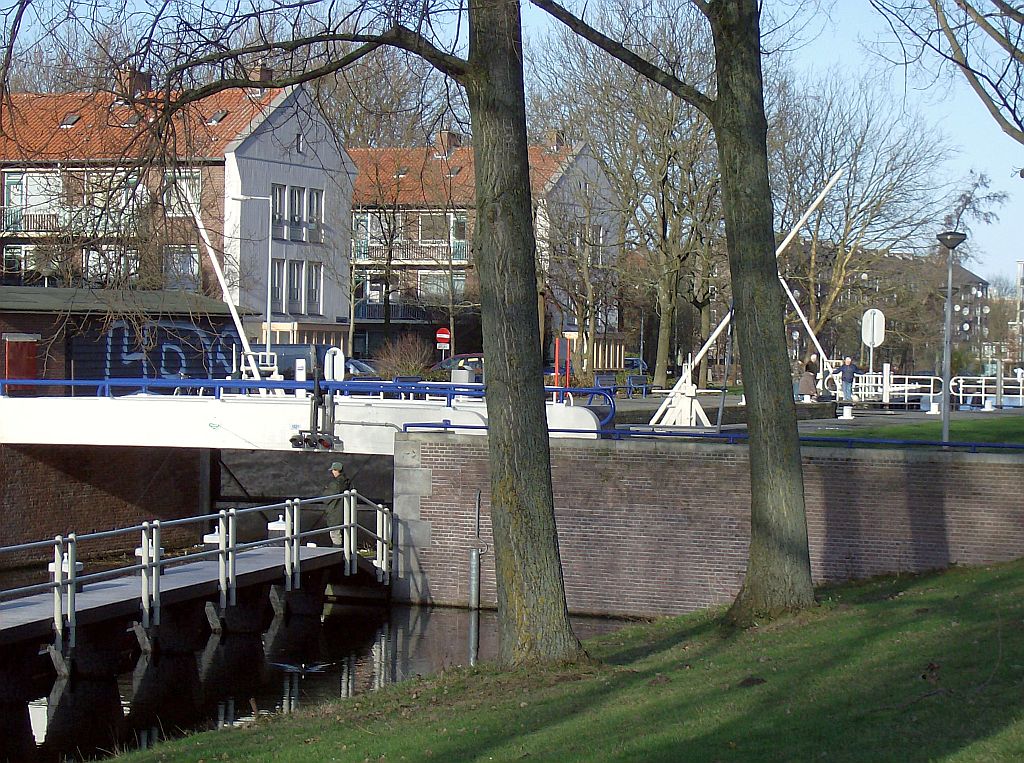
<point x="99" y="190"/>
<point x="413" y="215"/>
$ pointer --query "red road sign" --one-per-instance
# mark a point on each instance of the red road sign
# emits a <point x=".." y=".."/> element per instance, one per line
<point x="443" y="335"/>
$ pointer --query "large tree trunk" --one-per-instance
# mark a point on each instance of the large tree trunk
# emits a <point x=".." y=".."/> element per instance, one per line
<point x="778" y="573"/>
<point x="532" y="615"/>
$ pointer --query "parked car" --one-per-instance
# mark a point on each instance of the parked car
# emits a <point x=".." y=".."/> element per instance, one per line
<point x="354" y="367"/>
<point x="473" y="361"/>
<point x="635" y="365"/>
<point x="287" y="354"/>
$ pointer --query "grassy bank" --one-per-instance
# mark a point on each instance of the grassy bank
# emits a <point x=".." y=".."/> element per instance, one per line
<point x="998" y="429"/>
<point x="913" y="668"/>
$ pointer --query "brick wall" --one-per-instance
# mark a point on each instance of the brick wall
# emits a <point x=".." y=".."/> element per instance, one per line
<point x="651" y="527"/>
<point x="51" y="490"/>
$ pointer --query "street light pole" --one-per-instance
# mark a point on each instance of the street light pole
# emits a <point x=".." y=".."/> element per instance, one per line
<point x="951" y="240"/>
<point x="270" y="256"/>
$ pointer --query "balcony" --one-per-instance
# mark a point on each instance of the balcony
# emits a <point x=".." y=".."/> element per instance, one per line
<point x="374" y="311"/>
<point x="90" y="221"/>
<point x="427" y="253"/>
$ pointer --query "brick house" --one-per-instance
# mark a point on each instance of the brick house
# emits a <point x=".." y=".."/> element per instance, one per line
<point x="413" y="214"/>
<point x="98" y="190"/>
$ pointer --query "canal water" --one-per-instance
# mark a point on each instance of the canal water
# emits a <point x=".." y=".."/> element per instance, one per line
<point x="235" y="678"/>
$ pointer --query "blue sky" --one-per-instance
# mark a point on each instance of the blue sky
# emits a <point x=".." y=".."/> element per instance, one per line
<point x="955" y="110"/>
<point x="982" y="146"/>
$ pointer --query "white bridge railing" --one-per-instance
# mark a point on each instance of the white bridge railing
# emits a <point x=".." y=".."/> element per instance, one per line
<point x="899" y="389"/>
<point x="67" y="580"/>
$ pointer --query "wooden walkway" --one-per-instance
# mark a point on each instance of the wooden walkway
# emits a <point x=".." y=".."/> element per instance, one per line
<point x="31" y="617"/>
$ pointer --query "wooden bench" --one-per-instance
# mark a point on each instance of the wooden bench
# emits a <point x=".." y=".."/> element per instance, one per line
<point x="637" y="383"/>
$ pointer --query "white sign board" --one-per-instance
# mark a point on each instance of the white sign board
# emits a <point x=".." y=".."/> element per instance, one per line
<point x="872" y="328"/>
<point x="444" y="345"/>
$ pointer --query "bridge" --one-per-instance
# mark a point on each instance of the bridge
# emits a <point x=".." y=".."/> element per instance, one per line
<point x="72" y="599"/>
<point x="354" y="416"/>
<point x="202" y="613"/>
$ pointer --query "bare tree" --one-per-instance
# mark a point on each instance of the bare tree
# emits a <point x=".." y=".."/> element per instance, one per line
<point x="388" y="98"/>
<point x="657" y="150"/>
<point x="778" y="572"/>
<point x="982" y="39"/>
<point x="189" y="42"/>
<point x="889" y="195"/>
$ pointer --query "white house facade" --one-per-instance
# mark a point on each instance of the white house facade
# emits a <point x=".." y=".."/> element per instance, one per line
<point x="287" y="203"/>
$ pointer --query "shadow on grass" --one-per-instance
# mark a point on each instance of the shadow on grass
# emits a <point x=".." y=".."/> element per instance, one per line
<point x="905" y="669"/>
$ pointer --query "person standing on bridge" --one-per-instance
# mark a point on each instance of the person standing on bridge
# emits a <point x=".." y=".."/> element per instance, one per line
<point x="847" y="372"/>
<point x="335" y="511"/>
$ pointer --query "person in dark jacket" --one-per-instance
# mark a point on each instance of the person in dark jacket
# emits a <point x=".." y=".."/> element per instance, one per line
<point x="847" y="372"/>
<point x="335" y="510"/>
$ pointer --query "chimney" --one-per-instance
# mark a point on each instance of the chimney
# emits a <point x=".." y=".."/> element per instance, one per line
<point x="131" y="82"/>
<point x="264" y="74"/>
<point x="554" y="140"/>
<point x="447" y="141"/>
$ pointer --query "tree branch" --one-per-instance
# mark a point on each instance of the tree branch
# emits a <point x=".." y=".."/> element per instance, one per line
<point x="1009" y="11"/>
<point x="619" y="51"/>
<point x="996" y="36"/>
<point x="958" y="57"/>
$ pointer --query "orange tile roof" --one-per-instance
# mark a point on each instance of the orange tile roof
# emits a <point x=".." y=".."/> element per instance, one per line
<point x="425" y="179"/>
<point x="108" y="130"/>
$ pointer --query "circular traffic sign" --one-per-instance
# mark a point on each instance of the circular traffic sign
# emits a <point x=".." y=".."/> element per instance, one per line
<point x="443" y="335"/>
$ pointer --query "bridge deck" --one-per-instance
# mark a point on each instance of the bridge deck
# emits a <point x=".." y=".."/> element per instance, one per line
<point x="31" y="617"/>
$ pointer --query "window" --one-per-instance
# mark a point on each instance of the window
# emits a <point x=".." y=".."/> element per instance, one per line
<point x="14" y="265"/>
<point x="276" y="280"/>
<point x="595" y="240"/>
<point x="42" y="192"/>
<point x="295" y="268"/>
<point x="181" y="267"/>
<point x="94" y="267"/>
<point x="459" y="227"/>
<point x="296" y="211"/>
<point x="70" y="121"/>
<point x="433" y="226"/>
<point x="314" y="277"/>
<point x="216" y="117"/>
<point x="181" y="193"/>
<point x="300" y="143"/>
<point x="377" y="227"/>
<point x="314" y="214"/>
<point x="14" y="200"/>
<point x="278" y="199"/>
<point x="434" y="284"/>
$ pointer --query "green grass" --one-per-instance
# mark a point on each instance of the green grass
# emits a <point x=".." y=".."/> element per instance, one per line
<point x="1000" y="429"/>
<point x="911" y="668"/>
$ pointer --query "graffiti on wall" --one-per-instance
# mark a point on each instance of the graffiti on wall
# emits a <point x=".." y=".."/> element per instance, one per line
<point x="160" y="349"/>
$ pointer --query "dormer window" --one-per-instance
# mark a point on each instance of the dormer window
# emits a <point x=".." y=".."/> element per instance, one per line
<point x="216" y="117"/>
<point x="70" y="120"/>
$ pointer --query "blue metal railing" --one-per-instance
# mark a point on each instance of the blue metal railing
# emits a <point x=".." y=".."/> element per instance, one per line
<point x="216" y="388"/>
<point x="740" y="437"/>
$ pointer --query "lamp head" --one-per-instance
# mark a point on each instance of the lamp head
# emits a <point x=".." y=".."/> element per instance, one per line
<point x="951" y="239"/>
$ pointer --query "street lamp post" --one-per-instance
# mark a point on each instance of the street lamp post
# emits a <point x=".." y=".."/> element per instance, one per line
<point x="270" y="255"/>
<point x="951" y="240"/>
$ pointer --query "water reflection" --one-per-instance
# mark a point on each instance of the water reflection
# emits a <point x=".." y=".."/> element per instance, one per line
<point x="298" y="661"/>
